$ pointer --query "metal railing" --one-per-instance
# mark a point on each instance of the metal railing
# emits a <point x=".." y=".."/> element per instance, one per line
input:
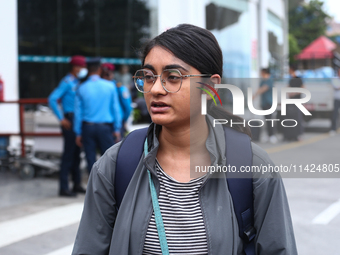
<point x="22" y="133"/>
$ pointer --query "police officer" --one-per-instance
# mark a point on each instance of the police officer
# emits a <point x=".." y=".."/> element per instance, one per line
<point x="123" y="94"/>
<point x="65" y="92"/>
<point x="97" y="116"/>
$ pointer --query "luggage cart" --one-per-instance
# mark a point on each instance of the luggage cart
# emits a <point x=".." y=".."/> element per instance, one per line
<point x="42" y="152"/>
<point x="45" y="153"/>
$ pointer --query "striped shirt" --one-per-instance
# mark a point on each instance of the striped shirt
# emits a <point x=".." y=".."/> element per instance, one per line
<point x="182" y="217"/>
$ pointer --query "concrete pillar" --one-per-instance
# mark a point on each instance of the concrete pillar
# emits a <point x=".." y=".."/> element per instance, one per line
<point x="264" y="34"/>
<point x="9" y="116"/>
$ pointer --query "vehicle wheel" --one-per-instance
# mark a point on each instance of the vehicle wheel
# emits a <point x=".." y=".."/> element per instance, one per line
<point x="26" y="172"/>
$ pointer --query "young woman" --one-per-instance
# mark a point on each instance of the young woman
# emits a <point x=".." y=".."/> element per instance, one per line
<point x="197" y="211"/>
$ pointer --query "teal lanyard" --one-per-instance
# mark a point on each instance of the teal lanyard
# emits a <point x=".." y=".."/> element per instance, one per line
<point x="158" y="216"/>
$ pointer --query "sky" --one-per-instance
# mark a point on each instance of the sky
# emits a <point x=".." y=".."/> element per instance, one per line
<point x="332" y="7"/>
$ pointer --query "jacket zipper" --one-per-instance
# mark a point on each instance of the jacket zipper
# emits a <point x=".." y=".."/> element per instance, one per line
<point x="203" y="214"/>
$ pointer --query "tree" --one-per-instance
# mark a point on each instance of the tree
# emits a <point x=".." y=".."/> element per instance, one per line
<point x="307" y="22"/>
<point x="293" y="48"/>
<point x="292" y="4"/>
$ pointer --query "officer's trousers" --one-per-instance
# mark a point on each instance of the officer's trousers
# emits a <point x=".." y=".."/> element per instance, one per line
<point x="71" y="157"/>
<point x="96" y="135"/>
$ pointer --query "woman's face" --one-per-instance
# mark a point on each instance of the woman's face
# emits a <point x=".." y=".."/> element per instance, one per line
<point x="169" y="109"/>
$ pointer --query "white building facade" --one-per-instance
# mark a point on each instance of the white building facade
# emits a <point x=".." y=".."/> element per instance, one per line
<point x="251" y="33"/>
<point x="9" y="113"/>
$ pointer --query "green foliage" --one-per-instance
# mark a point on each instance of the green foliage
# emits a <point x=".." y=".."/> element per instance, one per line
<point x="136" y="115"/>
<point x="292" y="4"/>
<point x="294" y="48"/>
<point x="307" y="22"/>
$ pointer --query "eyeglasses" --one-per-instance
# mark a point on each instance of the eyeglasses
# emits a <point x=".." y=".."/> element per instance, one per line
<point x="171" y="80"/>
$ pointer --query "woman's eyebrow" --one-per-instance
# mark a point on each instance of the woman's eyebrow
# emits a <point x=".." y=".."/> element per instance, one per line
<point x="147" y="66"/>
<point x="175" y="66"/>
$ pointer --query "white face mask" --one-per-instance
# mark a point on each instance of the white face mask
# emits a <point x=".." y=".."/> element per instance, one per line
<point x="82" y="73"/>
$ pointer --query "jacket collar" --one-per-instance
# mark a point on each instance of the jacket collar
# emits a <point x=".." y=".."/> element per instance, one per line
<point x="215" y="144"/>
<point x="153" y="145"/>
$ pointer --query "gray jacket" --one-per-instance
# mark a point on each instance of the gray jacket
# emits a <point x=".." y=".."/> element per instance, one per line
<point x="103" y="230"/>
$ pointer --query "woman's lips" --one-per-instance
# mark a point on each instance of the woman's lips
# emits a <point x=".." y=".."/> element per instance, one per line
<point x="159" y="107"/>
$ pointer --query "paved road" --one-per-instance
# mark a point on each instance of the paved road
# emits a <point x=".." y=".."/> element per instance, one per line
<point x="35" y="221"/>
<point x="314" y="202"/>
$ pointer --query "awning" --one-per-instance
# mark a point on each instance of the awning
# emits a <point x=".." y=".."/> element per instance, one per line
<point x="320" y="48"/>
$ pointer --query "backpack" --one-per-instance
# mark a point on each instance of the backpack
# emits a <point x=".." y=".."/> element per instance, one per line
<point x="238" y="153"/>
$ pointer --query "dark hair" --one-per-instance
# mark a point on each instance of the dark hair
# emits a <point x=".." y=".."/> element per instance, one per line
<point x="198" y="48"/>
<point x="293" y="67"/>
<point x="265" y="70"/>
<point x="93" y="67"/>
<point x="105" y="72"/>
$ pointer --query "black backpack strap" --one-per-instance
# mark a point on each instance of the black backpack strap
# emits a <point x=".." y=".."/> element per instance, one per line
<point x="239" y="153"/>
<point x="128" y="157"/>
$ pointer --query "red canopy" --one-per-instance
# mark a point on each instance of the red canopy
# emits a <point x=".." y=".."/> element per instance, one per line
<point x="318" y="49"/>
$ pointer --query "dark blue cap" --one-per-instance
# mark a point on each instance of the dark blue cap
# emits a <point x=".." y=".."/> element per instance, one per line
<point x="93" y="61"/>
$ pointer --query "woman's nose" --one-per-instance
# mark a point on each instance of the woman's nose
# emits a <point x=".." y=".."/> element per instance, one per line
<point x="157" y="87"/>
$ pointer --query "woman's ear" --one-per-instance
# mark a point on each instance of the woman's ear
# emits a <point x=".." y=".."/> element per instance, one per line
<point x="209" y="86"/>
<point x="215" y="79"/>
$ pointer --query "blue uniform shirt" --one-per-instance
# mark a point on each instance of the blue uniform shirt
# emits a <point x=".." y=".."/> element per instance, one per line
<point x="125" y="102"/>
<point x="97" y="102"/>
<point x="66" y="92"/>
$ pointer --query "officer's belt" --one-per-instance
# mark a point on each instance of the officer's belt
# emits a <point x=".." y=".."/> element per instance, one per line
<point x="97" y="123"/>
<point x="69" y="115"/>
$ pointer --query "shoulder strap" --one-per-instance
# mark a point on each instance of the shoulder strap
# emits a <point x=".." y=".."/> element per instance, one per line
<point x="239" y="153"/>
<point x="128" y="157"/>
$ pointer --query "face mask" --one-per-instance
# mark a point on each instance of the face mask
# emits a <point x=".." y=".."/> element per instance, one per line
<point x="82" y="73"/>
